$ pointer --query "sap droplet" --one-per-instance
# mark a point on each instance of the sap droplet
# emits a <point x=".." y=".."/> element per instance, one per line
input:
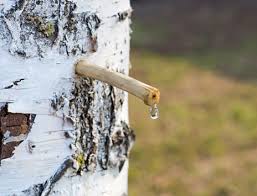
<point x="154" y="112"/>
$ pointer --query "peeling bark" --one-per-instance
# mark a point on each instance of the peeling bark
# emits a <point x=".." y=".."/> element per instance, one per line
<point x="13" y="130"/>
<point x="66" y="135"/>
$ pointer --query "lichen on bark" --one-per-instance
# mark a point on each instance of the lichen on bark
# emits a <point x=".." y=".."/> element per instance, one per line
<point x="38" y="25"/>
<point x="99" y="136"/>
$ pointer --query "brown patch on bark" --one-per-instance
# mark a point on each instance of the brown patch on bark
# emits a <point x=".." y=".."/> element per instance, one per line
<point x="12" y="125"/>
<point x="7" y="150"/>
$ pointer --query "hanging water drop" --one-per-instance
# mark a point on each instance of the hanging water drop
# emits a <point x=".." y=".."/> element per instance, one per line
<point x="154" y="112"/>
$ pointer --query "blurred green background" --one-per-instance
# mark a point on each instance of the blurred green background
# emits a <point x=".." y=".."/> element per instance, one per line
<point x="202" y="54"/>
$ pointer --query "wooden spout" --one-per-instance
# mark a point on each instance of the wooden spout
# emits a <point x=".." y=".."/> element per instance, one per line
<point x="150" y="95"/>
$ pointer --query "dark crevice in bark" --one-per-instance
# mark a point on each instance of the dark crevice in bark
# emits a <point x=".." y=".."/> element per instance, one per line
<point x="104" y="161"/>
<point x="93" y="23"/>
<point x="71" y="20"/>
<point x="97" y="135"/>
<point x="81" y="112"/>
<point x="105" y="132"/>
<point x="89" y="145"/>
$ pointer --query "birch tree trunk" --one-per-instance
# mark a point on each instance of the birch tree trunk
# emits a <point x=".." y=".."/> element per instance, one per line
<point x="61" y="134"/>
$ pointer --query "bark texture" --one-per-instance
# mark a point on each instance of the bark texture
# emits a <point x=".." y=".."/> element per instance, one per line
<point x="67" y="135"/>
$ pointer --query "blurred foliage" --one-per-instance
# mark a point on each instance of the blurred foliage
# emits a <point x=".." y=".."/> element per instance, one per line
<point x="206" y="138"/>
<point x="222" y="33"/>
<point x="202" y="56"/>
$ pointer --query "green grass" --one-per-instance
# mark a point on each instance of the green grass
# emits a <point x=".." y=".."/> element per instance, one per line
<point x="205" y="142"/>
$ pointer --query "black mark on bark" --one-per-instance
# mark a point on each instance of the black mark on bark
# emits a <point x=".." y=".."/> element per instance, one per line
<point x="93" y="23"/>
<point x="123" y="15"/>
<point x="45" y="189"/>
<point x="36" y="190"/>
<point x="121" y="144"/>
<point x="49" y="184"/>
<point x="58" y="102"/>
<point x="15" y="83"/>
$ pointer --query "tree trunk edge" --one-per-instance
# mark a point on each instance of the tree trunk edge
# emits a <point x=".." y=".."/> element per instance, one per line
<point x="92" y="116"/>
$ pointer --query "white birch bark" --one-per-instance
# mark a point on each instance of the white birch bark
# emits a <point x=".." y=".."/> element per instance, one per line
<point x="79" y="140"/>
